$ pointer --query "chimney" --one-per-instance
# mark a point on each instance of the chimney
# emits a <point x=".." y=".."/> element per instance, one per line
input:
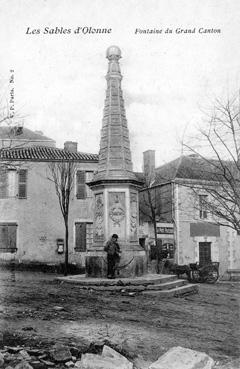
<point x="70" y="146"/>
<point x="39" y="133"/>
<point x="149" y="163"/>
<point x="17" y="130"/>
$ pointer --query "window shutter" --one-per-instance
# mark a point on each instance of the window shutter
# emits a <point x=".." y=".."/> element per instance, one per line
<point x="22" y="184"/>
<point x="3" y="183"/>
<point x="12" y="237"/>
<point x="202" y="205"/>
<point x="89" y="235"/>
<point x="81" y="186"/>
<point x="89" y="178"/>
<point x="8" y="237"/>
<point x="80" y="237"/>
<point x="3" y="237"/>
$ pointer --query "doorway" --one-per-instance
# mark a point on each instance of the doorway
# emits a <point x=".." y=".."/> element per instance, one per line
<point x="204" y="253"/>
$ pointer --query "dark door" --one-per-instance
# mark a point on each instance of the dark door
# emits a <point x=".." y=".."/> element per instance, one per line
<point x="204" y="253"/>
<point x="80" y="237"/>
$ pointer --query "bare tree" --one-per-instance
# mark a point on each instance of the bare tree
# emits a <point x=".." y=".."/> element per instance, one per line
<point x="10" y="129"/>
<point x="155" y="205"/>
<point x="218" y="150"/>
<point x="5" y="115"/>
<point x="11" y="122"/>
<point x="62" y="174"/>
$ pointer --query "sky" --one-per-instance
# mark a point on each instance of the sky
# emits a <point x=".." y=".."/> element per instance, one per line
<point x="169" y="78"/>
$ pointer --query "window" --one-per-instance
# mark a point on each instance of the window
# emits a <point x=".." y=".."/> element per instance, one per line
<point x="83" y="190"/>
<point x="8" y="237"/>
<point x="202" y="206"/>
<point x="22" y="184"/>
<point x="80" y="184"/>
<point x="83" y="236"/>
<point x="7" y="182"/>
<point x="204" y="253"/>
<point x="142" y="242"/>
<point x="3" y="184"/>
<point x="168" y="247"/>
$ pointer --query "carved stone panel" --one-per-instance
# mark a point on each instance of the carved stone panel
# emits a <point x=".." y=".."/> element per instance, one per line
<point x="117" y="213"/>
<point x="99" y="218"/>
<point x="133" y="216"/>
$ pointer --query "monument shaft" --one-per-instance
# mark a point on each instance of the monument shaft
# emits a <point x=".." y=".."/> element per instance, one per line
<point x="115" y="186"/>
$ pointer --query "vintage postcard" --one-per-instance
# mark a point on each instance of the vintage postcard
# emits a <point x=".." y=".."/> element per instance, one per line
<point x="119" y="184"/>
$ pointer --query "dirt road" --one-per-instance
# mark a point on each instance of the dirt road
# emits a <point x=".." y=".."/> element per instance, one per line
<point x="38" y="311"/>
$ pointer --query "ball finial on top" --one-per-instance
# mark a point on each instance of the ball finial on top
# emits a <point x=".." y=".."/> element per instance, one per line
<point x="113" y="52"/>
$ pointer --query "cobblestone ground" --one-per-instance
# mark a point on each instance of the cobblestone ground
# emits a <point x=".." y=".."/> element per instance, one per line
<point x="37" y="310"/>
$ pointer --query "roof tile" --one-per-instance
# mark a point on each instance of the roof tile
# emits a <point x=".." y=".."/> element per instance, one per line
<point x="189" y="167"/>
<point x="44" y="153"/>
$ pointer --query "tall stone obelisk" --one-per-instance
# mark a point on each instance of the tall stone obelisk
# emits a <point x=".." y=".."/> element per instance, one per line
<point x="115" y="186"/>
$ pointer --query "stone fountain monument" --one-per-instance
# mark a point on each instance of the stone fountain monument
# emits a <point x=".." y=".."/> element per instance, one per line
<point x="115" y="186"/>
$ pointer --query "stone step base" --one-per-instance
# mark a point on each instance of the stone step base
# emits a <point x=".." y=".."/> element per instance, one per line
<point x="155" y="284"/>
<point x="137" y="288"/>
<point x="149" y="279"/>
<point x="167" y="286"/>
<point x="187" y="289"/>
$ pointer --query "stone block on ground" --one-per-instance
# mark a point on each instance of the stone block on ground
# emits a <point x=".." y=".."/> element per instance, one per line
<point x="13" y="350"/>
<point x="129" y="347"/>
<point x="48" y="363"/>
<point x="36" y="364"/>
<point x="96" y="346"/>
<point x="183" y="358"/>
<point x="75" y="351"/>
<point x="233" y="364"/>
<point x="108" y="352"/>
<point x="9" y="358"/>
<point x="82" y="346"/>
<point x="60" y="353"/>
<point x="69" y="364"/>
<point x="25" y="355"/>
<point x="140" y="363"/>
<point x="110" y="359"/>
<point x="34" y="352"/>
<point x="23" y="365"/>
<point x="78" y="364"/>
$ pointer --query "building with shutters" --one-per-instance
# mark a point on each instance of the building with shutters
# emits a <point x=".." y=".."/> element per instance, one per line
<point x="31" y="223"/>
<point x="184" y="226"/>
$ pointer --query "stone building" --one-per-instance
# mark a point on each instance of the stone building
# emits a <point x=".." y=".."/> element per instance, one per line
<point x="184" y="227"/>
<point x="31" y="224"/>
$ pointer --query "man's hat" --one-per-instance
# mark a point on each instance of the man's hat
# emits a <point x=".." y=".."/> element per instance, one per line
<point x="114" y="235"/>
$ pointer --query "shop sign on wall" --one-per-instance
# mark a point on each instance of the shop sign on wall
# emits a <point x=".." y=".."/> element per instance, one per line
<point x="165" y="230"/>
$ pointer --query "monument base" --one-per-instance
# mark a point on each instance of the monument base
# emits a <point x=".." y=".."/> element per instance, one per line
<point x="132" y="264"/>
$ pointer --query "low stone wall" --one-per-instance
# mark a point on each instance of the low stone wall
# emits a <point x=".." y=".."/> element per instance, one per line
<point x="132" y="264"/>
<point x="41" y="267"/>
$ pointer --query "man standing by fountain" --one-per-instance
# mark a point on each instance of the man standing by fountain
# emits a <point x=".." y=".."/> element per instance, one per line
<point x="113" y="250"/>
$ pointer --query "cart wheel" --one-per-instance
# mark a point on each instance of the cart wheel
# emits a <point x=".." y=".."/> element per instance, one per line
<point x="195" y="277"/>
<point x="211" y="275"/>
